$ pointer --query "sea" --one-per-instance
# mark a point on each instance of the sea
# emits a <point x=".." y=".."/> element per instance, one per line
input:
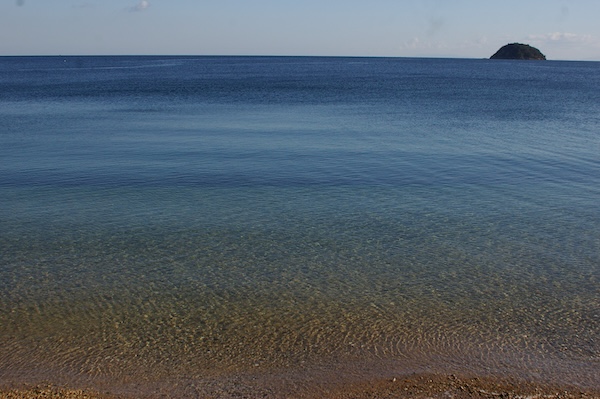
<point x="229" y="226"/>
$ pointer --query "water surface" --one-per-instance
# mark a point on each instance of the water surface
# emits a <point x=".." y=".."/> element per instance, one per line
<point x="286" y="219"/>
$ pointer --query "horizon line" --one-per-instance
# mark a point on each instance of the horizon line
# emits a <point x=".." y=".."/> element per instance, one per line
<point x="274" y="56"/>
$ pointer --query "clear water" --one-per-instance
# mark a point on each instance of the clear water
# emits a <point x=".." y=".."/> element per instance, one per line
<point x="277" y="219"/>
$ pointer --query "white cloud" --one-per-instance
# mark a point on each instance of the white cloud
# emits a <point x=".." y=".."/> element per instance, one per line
<point x="566" y="46"/>
<point x="141" y="6"/>
<point x="562" y="37"/>
<point x="412" y="44"/>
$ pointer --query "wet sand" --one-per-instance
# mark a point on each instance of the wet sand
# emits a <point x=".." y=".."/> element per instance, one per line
<point x="413" y="386"/>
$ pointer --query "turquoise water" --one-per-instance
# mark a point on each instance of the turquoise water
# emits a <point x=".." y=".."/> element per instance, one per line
<point x="275" y="220"/>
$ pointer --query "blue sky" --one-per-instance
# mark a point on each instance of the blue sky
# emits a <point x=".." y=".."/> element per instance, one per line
<point x="561" y="29"/>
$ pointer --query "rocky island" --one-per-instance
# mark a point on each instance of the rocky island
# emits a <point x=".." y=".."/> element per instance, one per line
<point x="518" y="51"/>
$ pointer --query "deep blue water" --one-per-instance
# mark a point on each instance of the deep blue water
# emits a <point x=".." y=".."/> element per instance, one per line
<point x="177" y="216"/>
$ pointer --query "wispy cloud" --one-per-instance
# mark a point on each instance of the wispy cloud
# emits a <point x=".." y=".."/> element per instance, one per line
<point x="20" y="2"/>
<point x="562" y="37"/>
<point x="427" y="47"/>
<point x="141" y="6"/>
<point x="565" y="45"/>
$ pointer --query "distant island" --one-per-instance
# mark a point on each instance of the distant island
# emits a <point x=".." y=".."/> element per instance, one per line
<point x="518" y="51"/>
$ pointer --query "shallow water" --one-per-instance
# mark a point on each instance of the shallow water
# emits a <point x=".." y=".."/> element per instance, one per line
<point x="200" y="218"/>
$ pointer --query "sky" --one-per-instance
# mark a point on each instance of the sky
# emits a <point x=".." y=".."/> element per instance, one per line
<point x="561" y="29"/>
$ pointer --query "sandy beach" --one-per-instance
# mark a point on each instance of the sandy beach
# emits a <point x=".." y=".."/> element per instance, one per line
<point x="414" y="386"/>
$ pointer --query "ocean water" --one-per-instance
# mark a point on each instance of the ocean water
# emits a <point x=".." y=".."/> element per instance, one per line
<point x="214" y="224"/>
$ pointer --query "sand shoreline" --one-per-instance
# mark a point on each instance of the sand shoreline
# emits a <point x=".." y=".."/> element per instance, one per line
<point x="413" y="386"/>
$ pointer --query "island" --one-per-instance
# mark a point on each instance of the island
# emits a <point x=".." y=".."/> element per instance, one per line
<point x="518" y="51"/>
